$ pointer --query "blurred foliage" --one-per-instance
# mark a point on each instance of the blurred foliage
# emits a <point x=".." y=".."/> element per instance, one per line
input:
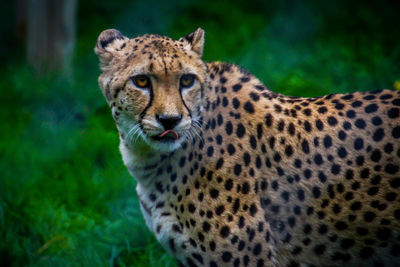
<point x="65" y="197"/>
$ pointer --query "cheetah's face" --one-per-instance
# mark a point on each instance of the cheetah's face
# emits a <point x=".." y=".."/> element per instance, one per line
<point x="154" y="86"/>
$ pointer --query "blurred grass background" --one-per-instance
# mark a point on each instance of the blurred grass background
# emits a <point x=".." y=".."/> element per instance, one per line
<point x="65" y="197"/>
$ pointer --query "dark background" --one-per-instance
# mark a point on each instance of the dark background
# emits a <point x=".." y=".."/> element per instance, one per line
<point x="65" y="196"/>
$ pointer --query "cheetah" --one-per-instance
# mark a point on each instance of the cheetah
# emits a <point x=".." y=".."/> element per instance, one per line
<point x="230" y="173"/>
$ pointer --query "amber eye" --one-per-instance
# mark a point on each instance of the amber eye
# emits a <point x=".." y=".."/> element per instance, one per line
<point x="187" y="80"/>
<point x="141" y="81"/>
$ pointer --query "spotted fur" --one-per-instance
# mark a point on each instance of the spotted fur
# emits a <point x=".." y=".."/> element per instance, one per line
<point x="256" y="178"/>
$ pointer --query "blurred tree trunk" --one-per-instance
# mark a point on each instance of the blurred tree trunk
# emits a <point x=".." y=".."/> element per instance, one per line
<point x="50" y="33"/>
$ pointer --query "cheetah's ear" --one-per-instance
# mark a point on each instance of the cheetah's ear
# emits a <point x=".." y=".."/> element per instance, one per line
<point x="196" y="40"/>
<point x="108" y="44"/>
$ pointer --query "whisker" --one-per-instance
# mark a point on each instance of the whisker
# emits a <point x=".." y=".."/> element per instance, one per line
<point x="132" y="132"/>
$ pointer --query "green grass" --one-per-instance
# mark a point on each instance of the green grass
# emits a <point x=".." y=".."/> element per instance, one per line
<point x="65" y="197"/>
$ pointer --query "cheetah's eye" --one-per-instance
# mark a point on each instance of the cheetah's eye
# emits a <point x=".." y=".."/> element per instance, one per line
<point x="187" y="80"/>
<point x="141" y="81"/>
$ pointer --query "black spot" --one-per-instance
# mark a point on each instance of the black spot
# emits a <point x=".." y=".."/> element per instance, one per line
<point x="224" y="232"/>
<point x="327" y="141"/>
<point x="248" y="107"/>
<point x="395" y="183"/>
<point x="388" y="148"/>
<point x="228" y="128"/>
<point x="236" y="205"/>
<point x="236" y="87"/>
<point x="219" y="164"/>
<point x="257" y="249"/>
<point x="253" y="142"/>
<point x="318" y="159"/>
<point x="307" y="112"/>
<point x="277" y="157"/>
<point x="269" y="120"/>
<point x="366" y="252"/>
<point x="369" y="216"/>
<point x="235" y="103"/>
<point x="246" y="260"/>
<point x="393" y="113"/>
<point x="259" y="130"/>
<point x="191" y="208"/>
<point x="254" y="96"/>
<point x="322" y="110"/>
<point x="316" y="192"/>
<point x="391" y="169"/>
<point x="190" y="262"/>
<point x="228" y="184"/>
<point x="297" y="163"/>
<point x="246" y="159"/>
<point x="291" y="221"/>
<point x="307" y="229"/>
<point x="210" y="151"/>
<point x="305" y="147"/>
<point x="237" y="169"/>
<point x="291" y="129"/>
<point x="360" y="123"/>
<point x="378" y="135"/>
<point x="319" y="249"/>
<point x="219" y="210"/>
<point x="376" y="121"/>
<point x="319" y="125"/>
<point x="332" y="121"/>
<point x="300" y="194"/>
<point x="226" y="256"/>
<point x="225" y="101"/>
<point x="341" y="225"/>
<point x="182" y="161"/>
<point x="346" y="125"/>
<point x="281" y="125"/>
<point x="383" y="233"/>
<point x="278" y="108"/>
<point x="285" y="196"/>
<point x="231" y="149"/>
<point x="347" y="243"/>
<point x="351" y="114"/>
<point x="240" y="131"/>
<point x="214" y="193"/>
<point x="376" y="155"/>
<point x="335" y="169"/>
<point x="342" y="152"/>
<point x="391" y="196"/>
<point x="289" y="150"/>
<point x="356" y="104"/>
<point x="245" y="188"/>
<point x="322" y="229"/>
<point x="197" y="257"/>
<point x="307" y="126"/>
<point x="371" y="108"/>
<point x="358" y="144"/>
<point x="396" y="132"/>
<point x="322" y="177"/>
<point x="362" y="231"/>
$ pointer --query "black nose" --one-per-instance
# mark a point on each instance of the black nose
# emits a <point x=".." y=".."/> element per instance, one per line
<point x="168" y="121"/>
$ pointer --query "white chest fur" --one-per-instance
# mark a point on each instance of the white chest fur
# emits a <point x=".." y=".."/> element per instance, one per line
<point x="159" y="216"/>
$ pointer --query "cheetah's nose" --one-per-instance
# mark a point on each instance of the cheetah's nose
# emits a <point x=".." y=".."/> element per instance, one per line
<point x="168" y="121"/>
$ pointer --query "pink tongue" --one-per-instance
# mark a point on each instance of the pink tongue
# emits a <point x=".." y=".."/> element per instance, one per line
<point x="171" y="133"/>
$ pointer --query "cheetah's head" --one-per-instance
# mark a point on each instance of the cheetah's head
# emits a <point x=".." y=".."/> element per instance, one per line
<point x="154" y="86"/>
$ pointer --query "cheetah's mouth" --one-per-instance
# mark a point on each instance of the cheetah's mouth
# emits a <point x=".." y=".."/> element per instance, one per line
<point x="167" y="136"/>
